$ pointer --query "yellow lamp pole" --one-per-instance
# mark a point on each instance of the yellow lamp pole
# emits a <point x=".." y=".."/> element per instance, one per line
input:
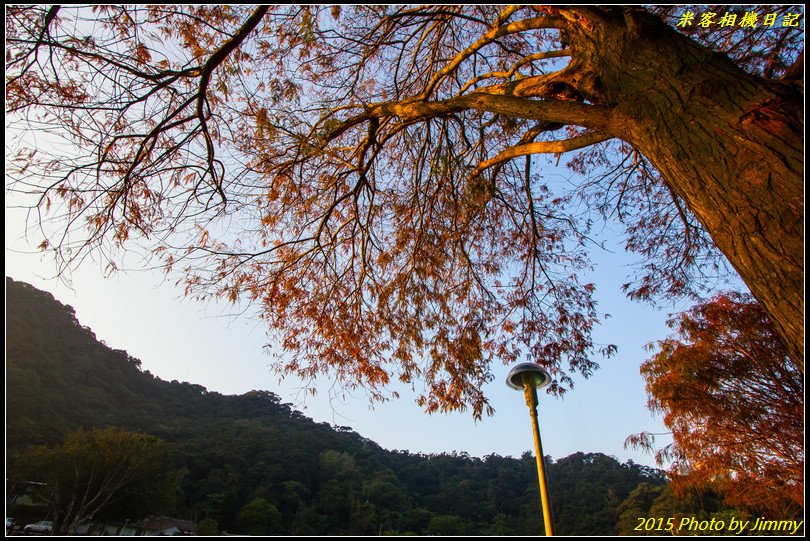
<point x="529" y="377"/>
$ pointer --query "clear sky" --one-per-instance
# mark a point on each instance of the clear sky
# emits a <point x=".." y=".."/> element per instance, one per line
<point x="177" y="338"/>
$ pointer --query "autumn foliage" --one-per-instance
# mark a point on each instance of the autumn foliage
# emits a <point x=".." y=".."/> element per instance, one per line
<point x="362" y="174"/>
<point x="734" y="401"/>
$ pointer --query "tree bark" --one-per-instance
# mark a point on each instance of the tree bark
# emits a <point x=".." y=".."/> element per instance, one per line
<point x="728" y="143"/>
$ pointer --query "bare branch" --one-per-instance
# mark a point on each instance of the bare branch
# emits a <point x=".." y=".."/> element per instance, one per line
<point x="543" y="147"/>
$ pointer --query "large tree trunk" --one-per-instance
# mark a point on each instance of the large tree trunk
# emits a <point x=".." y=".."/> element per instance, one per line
<point x="728" y="143"/>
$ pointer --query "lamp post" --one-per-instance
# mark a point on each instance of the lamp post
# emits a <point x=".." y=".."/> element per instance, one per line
<point x="529" y="377"/>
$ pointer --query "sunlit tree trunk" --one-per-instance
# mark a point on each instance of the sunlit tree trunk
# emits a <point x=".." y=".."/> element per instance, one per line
<point x="728" y="143"/>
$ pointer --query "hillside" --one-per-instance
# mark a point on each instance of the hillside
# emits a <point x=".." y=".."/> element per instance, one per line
<point x="230" y="451"/>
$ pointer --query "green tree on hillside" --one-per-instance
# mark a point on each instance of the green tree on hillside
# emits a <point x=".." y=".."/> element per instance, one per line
<point x="259" y="517"/>
<point x="97" y="472"/>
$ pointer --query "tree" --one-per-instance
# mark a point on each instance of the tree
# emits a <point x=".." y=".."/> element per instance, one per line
<point x="260" y="517"/>
<point x="354" y="170"/>
<point x="734" y="400"/>
<point x="93" y="471"/>
<point x="667" y="512"/>
<point x="446" y="525"/>
<point x="208" y="527"/>
<point x="587" y="489"/>
<point x="637" y="507"/>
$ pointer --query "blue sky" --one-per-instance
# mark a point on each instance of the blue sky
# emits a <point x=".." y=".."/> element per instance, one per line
<point x="178" y="338"/>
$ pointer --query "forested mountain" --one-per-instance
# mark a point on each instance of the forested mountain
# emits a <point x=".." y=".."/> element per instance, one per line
<point x="251" y="464"/>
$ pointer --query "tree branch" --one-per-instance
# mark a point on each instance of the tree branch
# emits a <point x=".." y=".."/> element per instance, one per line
<point x="565" y="112"/>
<point x="211" y="64"/>
<point x="534" y="23"/>
<point x="543" y="147"/>
<point x="542" y="55"/>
